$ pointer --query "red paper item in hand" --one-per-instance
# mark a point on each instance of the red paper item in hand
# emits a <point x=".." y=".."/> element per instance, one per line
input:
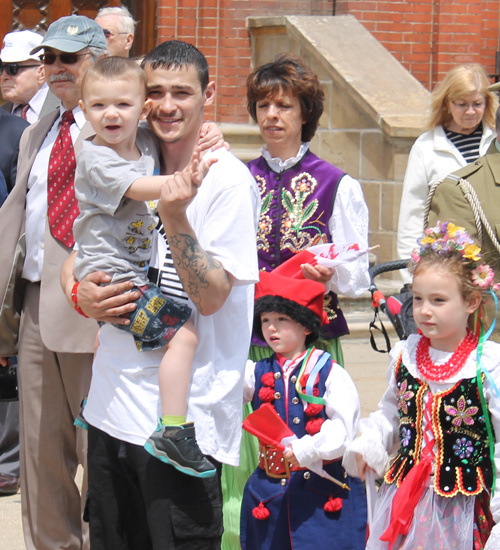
<point x="268" y="426"/>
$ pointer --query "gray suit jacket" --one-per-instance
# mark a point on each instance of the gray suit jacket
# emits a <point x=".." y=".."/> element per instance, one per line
<point x="50" y="104"/>
<point x="62" y="329"/>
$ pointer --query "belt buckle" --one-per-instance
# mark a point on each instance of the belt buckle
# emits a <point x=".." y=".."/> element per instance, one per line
<point x="285" y="475"/>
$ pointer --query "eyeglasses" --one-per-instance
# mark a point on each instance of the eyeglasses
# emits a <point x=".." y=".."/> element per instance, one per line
<point x="109" y="34"/>
<point x="464" y="106"/>
<point x="65" y="58"/>
<point x="13" y="68"/>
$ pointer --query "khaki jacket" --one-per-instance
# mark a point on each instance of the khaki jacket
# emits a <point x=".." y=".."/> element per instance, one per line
<point x="62" y="329"/>
<point x="449" y="203"/>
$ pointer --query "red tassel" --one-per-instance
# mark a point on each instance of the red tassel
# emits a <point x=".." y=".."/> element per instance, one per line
<point x="333" y="505"/>
<point x="266" y="394"/>
<point x="313" y="409"/>
<point x="315" y="391"/>
<point x="313" y="426"/>
<point x="268" y="379"/>
<point x="261" y="512"/>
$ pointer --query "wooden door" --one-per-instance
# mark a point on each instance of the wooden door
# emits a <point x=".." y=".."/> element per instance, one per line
<point x="37" y="15"/>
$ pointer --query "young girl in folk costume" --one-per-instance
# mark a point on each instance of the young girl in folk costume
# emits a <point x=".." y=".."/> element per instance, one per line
<point x="441" y="409"/>
<point x="286" y="504"/>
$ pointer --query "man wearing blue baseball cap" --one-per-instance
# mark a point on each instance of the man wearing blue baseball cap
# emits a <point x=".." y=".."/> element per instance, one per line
<point x="55" y="345"/>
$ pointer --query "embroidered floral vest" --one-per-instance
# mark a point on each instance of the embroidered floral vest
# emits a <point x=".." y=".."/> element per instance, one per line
<point x="297" y="205"/>
<point x="462" y="461"/>
<point x="270" y="388"/>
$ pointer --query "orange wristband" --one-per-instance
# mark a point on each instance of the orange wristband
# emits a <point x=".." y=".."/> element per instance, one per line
<point x="74" y="298"/>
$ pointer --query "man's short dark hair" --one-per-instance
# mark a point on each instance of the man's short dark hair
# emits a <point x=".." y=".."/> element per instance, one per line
<point x="175" y="54"/>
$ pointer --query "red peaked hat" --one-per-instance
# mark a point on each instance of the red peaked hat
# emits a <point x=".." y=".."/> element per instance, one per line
<point x="304" y="292"/>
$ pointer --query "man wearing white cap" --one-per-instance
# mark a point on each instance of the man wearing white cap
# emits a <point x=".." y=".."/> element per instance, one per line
<point x="55" y="345"/>
<point x="22" y="79"/>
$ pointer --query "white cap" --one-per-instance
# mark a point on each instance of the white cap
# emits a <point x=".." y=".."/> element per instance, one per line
<point x="17" y="46"/>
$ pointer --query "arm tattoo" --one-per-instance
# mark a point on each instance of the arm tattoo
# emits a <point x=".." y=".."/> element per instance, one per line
<point x="193" y="264"/>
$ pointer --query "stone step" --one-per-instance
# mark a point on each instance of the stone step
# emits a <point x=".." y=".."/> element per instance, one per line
<point x="245" y="140"/>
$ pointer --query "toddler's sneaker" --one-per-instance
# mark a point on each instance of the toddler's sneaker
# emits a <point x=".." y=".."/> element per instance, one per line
<point x="176" y="445"/>
<point x="80" y="419"/>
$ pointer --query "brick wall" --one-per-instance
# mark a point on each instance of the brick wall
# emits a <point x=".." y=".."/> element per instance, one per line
<point x="217" y="28"/>
<point x="431" y="36"/>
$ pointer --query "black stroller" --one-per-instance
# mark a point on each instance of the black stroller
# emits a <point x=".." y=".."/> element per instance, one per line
<point x="398" y="308"/>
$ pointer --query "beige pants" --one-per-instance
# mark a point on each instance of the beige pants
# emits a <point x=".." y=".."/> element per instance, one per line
<point x="52" y="386"/>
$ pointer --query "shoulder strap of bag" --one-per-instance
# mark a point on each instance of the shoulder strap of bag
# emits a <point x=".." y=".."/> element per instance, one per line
<point x="471" y="196"/>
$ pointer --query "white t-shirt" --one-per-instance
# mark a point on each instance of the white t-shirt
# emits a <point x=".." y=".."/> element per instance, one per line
<point x="124" y="397"/>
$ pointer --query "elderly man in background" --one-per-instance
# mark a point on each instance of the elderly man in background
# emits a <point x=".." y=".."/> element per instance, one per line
<point x="119" y="28"/>
<point x="22" y="82"/>
<point x="11" y="129"/>
<point x="22" y="78"/>
<point x="55" y="345"/>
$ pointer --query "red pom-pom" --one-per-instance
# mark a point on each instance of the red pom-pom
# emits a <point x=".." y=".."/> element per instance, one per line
<point x="261" y="512"/>
<point x="268" y="379"/>
<point x="313" y="426"/>
<point x="313" y="409"/>
<point x="266" y="394"/>
<point x="315" y="392"/>
<point x="333" y="505"/>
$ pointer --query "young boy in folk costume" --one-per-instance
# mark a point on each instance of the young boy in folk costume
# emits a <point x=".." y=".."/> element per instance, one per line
<point x="285" y="504"/>
<point x="441" y="410"/>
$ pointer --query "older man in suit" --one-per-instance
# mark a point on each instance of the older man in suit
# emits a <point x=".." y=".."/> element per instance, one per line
<point x="23" y="86"/>
<point x="22" y="77"/>
<point x="11" y="129"/>
<point x="55" y="345"/>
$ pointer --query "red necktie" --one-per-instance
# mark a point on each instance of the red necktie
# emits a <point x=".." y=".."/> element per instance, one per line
<point x="62" y="204"/>
<point x="24" y="112"/>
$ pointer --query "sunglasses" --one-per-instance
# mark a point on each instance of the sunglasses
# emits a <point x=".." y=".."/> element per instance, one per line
<point x="13" y="68"/>
<point x="109" y="34"/>
<point x="65" y="58"/>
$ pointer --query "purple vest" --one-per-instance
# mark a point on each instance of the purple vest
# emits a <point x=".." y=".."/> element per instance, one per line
<point x="296" y="208"/>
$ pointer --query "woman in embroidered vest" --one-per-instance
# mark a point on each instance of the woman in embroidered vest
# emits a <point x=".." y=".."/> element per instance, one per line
<point x="305" y="201"/>
<point x="287" y="503"/>
<point x="461" y="129"/>
<point x="440" y="411"/>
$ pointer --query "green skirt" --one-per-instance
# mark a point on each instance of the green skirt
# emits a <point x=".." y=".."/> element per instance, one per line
<point x="234" y="478"/>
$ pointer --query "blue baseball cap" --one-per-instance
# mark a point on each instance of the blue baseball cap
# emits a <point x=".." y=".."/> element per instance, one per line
<point x="72" y="34"/>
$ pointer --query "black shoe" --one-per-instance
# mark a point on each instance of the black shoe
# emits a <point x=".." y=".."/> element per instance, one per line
<point x="176" y="445"/>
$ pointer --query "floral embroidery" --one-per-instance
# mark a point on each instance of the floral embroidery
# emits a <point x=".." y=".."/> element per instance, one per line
<point x="403" y="396"/>
<point x="405" y="436"/>
<point x="330" y="308"/>
<point x="296" y="215"/>
<point x="463" y="448"/>
<point x="461" y="413"/>
<point x="265" y="222"/>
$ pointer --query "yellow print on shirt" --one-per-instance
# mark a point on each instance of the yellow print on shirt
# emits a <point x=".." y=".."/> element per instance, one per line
<point x="135" y="227"/>
<point x="130" y="241"/>
<point x="140" y="322"/>
<point x="155" y="304"/>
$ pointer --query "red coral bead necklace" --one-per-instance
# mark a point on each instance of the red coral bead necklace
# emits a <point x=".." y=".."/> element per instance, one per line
<point x="438" y="373"/>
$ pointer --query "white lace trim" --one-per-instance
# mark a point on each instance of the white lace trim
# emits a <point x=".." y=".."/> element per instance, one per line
<point x="278" y="165"/>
